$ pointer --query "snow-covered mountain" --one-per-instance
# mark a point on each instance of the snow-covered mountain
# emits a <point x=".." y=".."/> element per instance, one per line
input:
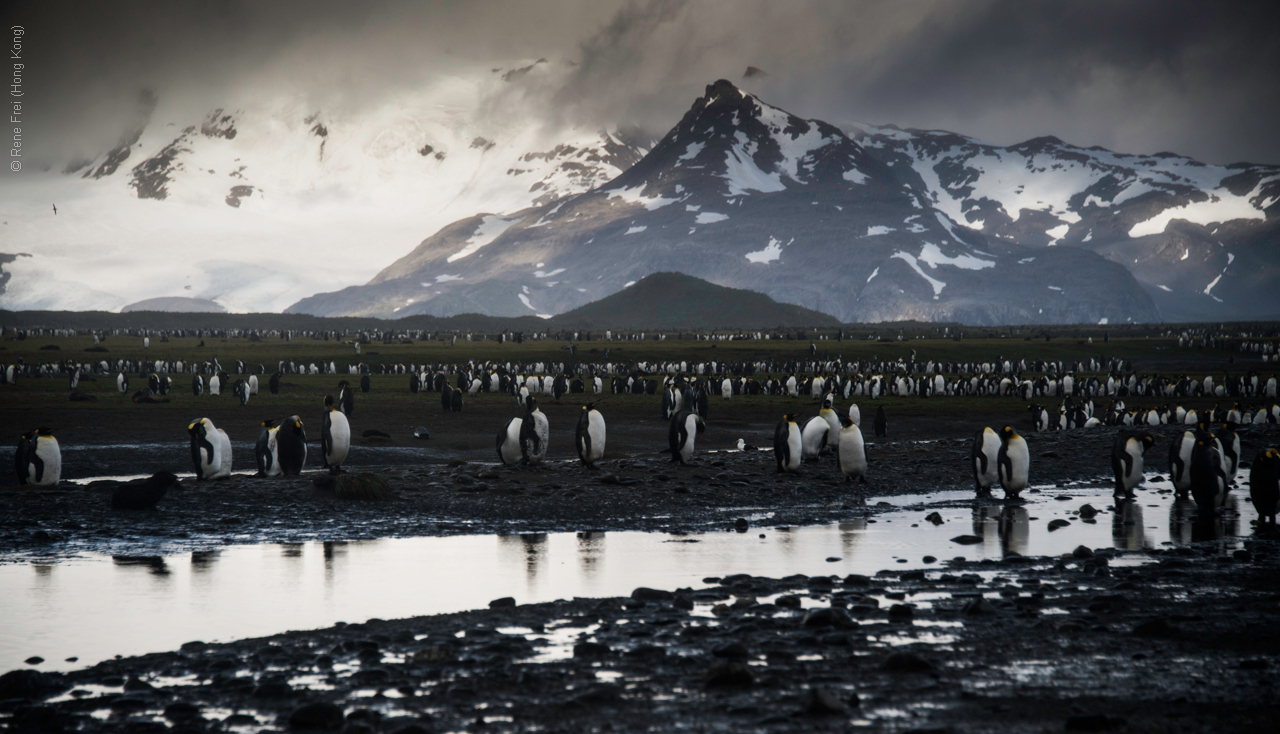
<point x="257" y="205"/>
<point x="746" y="195"/>
<point x="1202" y="239"/>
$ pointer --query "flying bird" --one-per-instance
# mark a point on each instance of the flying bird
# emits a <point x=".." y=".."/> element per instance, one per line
<point x="55" y="210"/>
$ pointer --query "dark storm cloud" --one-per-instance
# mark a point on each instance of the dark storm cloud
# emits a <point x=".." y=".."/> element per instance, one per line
<point x="1194" y="78"/>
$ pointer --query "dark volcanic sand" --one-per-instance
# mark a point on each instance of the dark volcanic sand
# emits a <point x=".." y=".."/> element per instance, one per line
<point x="1187" y="643"/>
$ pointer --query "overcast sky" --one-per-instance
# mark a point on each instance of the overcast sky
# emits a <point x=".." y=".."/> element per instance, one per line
<point x="1201" y="79"/>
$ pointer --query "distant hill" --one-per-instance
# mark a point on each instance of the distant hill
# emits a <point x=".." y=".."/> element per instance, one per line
<point x="677" y="301"/>
<point x="176" y="305"/>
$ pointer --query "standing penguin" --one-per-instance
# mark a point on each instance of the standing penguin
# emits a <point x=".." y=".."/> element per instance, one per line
<point x="535" y="433"/>
<point x="122" y="383"/>
<point x="814" y="438"/>
<point x="851" y="450"/>
<point x="215" y="384"/>
<point x="1180" y="461"/>
<point x="335" y="436"/>
<point x="273" y="383"/>
<point x="265" y="451"/>
<point x="253" y="384"/>
<point x="446" y="397"/>
<point x="291" y="446"/>
<point x="827" y="413"/>
<point x="365" y="383"/>
<point x="39" y="459"/>
<point x="241" y="390"/>
<point x="590" y="435"/>
<point x="1264" y="484"/>
<point x="985" y="456"/>
<point x="1014" y="462"/>
<point x="787" y="444"/>
<point x="346" y="398"/>
<point x="207" y="447"/>
<point x="881" y="423"/>
<point x="1208" y="475"/>
<point x="509" y="442"/>
<point x="682" y="435"/>
<point x="1126" y="461"/>
<point x="197" y="385"/>
<point x="855" y="414"/>
<point x="1229" y="445"/>
<point x="455" y="401"/>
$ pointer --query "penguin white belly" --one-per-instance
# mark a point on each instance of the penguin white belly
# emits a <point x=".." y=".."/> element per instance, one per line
<point x="852" y="452"/>
<point x="509" y="447"/>
<point x="273" y="452"/>
<point x="1133" y="447"/>
<point x="1191" y="418"/>
<point x="1181" y="476"/>
<point x="50" y="454"/>
<point x="833" y="424"/>
<point x="595" y="429"/>
<point x="253" y="384"/>
<point x="855" y="415"/>
<point x="224" y="465"/>
<point x="726" y="389"/>
<point x="691" y="431"/>
<point x="814" y="438"/>
<point x="991" y="450"/>
<point x="215" y="385"/>
<point x="794" y="443"/>
<point x="1014" y="477"/>
<point x="340" y="438"/>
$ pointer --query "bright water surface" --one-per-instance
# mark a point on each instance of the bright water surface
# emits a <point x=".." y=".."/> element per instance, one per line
<point x="95" y="607"/>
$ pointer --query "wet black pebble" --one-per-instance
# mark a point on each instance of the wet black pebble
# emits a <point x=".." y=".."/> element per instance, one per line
<point x="967" y="539"/>
<point x="934" y="518"/>
<point x="929" y="559"/>
<point x="1087" y="511"/>
<point x="319" y="715"/>
<point x="729" y="675"/>
<point x="901" y="613"/>
<point x="34" y="660"/>
<point x="905" y="662"/>
<point x="505" y="602"/>
<point x="1059" y="523"/>
<point x="823" y="701"/>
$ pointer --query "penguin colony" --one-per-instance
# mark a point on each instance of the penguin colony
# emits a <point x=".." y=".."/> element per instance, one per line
<point x="1203" y="463"/>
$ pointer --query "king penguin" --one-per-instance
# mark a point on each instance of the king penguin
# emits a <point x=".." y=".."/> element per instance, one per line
<point x="682" y="435"/>
<point x="210" y="450"/>
<point x="346" y="398"/>
<point x="1229" y="445"/>
<point x="827" y="413"/>
<point x="1208" y="475"/>
<point x="855" y="414"/>
<point x="814" y="436"/>
<point x="1264" y="484"/>
<point x="852" y="450"/>
<point x="1014" y="462"/>
<point x="509" y="442"/>
<point x="265" y="451"/>
<point x="1126" y="461"/>
<point x="335" y="436"/>
<point x="39" y="459"/>
<point x="590" y="435"/>
<point x="881" y="423"/>
<point x="985" y="455"/>
<point x="291" y="446"/>
<point x="787" y="444"/>
<point x="535" y="433"/>
<point x="1180" y="461"/>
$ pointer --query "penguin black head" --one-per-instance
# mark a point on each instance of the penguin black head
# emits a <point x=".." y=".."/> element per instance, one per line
<point x="845" y="421"/>
<point x="42" y="431"/>
<point x="1007" y="433"/>
<point x="589" y="407"/>
<point x="790" y="417"/>
<point x="328" y="402"/>
<point x="530" y="404"/>
<point x="194" y="427"/>
<point x="268" y="423"/>
<point x="343" y="384"/>
<point x="1147" y="441"/>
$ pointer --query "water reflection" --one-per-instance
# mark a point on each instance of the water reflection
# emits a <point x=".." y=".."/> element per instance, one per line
<point x="1127" y="529"/>
<point x="155" y="564"/>
<point x="151" y="602"/>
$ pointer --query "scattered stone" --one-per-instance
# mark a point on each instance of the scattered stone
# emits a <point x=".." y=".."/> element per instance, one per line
<point x="1094" y="722"/>
<point x="1082" y="551"/>
<point x="978" y="607"/>
<point x="1087" y="511"/>
<point x="901" y="613"/>
<point x="967" y="539"/>
<point x="319" y="715"/>
<point x="1059" y="523"/>
<point x="590" y="650"/>
<point x="734" y="650"/>
<point x="829" y="617"/>
<point x="822" y="701"/>
<point x="934" y="518"/>
<point x="905" y="662"/>
<point x="505" y="602"/>
<point x="741" y="523"/>
<point x="34" y="660"/>
<point x="647" y="594"/>
<point x="929" y="559"/>
<point x="730" y="675"/>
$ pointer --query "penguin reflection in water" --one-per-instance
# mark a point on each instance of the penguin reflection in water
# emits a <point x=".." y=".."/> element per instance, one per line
<point x="590" y="436"/>
<point x="39" y="458"/>
<point x="335" y="436"/>
<point x="682" y="435"/>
